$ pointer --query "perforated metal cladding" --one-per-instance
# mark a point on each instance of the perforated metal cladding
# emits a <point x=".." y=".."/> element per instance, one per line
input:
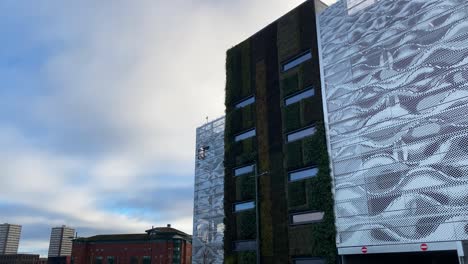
<point x="396" y="87"/>
<point x="208" y="226"/>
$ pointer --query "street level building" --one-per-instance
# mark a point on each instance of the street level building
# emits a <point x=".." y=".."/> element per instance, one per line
<point x="157" y="245"/>
<point x="59" y="260"/>
<point x="9" y="238"/>
<point x="61" y="242"/>
<point x="395" y="83"/>
<point x="208" y="218"/>
<point x="278" y="192"/>
<point x="20" y="259"/>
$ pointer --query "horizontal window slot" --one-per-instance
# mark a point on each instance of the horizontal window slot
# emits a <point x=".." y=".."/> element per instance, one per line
<point x="298" y="97"/>
<point x="309" y="261"/>
<point x="238" y="207"/>
<point x="294" y="136"/>
<point x="297" y="61"/>
<point x="303" y="174"/>
<point x="244" y="170"/>
<point x="306" y="218"/>
<point x="247" y="245"/>
<point x="245" y="135"/>
<point x="246" y="102"/>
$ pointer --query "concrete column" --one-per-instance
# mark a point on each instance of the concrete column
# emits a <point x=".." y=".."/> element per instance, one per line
<point x="343" y="259"/>
<point x="461" y="250"/>
<point x="465" y="251"/>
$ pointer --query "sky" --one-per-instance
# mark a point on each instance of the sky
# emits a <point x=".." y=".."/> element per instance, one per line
<point x="99" y="102"/>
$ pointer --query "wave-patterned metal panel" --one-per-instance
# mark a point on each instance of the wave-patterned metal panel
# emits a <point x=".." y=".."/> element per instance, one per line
<point x="208" y="218"/>
<point x="395" y="82"/>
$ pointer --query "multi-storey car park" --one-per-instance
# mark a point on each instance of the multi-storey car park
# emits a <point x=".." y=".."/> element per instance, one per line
<point x="208" y="217"/>
<point x="395" y="76"/>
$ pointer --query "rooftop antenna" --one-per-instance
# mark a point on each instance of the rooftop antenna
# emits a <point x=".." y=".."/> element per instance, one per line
<point x="207" y="119"/>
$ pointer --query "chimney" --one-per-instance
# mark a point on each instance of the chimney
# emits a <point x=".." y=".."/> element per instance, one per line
<point x="168" y="225"/>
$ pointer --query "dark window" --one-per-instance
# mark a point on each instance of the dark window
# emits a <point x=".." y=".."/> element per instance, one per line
<point x="246" y="245"/>
<point x="110" y="260"/>
<point x="309" y="261"/>
<point x="146" y="260"/>
<point x="98" y="260"/>
<point x="134" y="260"/>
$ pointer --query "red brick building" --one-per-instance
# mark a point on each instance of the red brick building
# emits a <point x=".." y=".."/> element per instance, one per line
<point x="161" y="245"/>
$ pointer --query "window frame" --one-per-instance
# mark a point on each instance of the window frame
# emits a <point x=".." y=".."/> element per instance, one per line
<point x="245" y="132"/>
<point x="244" y="166"/>
<point x="291" y="218"/>
<point x="243" y="103"/>
<point x="303" y="169"/>
<point x="294" y="59"/>
<point x="309" y="258"/>
<point x="313" y="126"/>
<point x="110" y="258"/>
<point x="303" y="91"/>
<point x="244" y="202"/>
<point x="235" y="243"/>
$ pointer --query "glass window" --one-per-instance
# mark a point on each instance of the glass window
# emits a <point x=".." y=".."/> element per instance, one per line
<point x="146" y="260"/>
<point x="134" y="260"/>
<point x="301" y="134"/>
<point x="98" y="260"/>
<point x="244" y="170"/>
<point x="309" y="261"/>
<point x="247" y="245"/>
<point x="110" y="260"/>
<point x="298" y="97"/>
<point x="305" y="218"/>
<point x="246" y="102"/>
<point x="244" y="206"/>
<point x="246" y="135"/>
<point x="303" y="174"/>
<point x="297" y="61"/>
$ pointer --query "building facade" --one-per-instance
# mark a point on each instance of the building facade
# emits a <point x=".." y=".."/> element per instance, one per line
<point x="20" y="259"/>
<point x="395" y="80"/>
<point x="61" y="241"/>
<point x="159" y="245"/>
<point x="278" y="199"/>
<point x="9" y="238"/>
<point x="59" y="260"/>
<point x="208" y="218"/>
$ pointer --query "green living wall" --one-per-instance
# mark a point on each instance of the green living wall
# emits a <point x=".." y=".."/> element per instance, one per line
<point x="242" y="225"/>
<point x="313" y="194"/>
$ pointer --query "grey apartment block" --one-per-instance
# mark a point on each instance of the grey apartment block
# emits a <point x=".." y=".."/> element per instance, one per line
<point x="395" y="83"/>
<point x="61" y="241"/>
<point x="208" y="225"/>
<point x="9" y="238"/>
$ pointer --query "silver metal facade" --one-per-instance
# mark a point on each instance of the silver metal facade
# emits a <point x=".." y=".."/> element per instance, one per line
<point x="208" y="219"/>
<point x="395" y="83"/>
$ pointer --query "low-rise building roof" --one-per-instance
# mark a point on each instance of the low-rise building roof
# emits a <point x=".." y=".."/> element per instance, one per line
<point x="158" y="233"/>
